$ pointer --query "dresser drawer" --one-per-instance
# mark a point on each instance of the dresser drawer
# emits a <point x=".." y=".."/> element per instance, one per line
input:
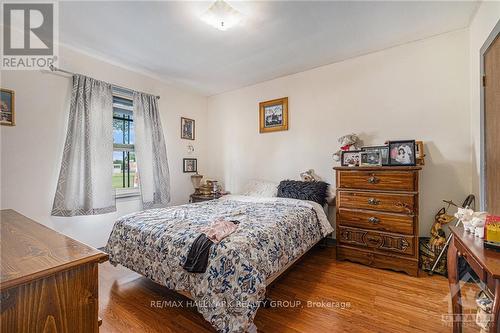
<point x="376" y="221"/>
<point x="397" y="263"/>
<point x="401" y="244"/>
<point x="385" y="202"/>
<point x="377" y="180"/>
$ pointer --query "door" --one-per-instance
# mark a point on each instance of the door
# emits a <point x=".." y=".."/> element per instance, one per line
<point x="492" y="126"/>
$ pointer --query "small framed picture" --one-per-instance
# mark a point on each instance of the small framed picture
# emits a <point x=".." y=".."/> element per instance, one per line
<point x="273" y="115"/>
<point x="419" y="153"/>
<point x="382" y="150"/>
<point x="7" y="107"/>
<point x="190" y="165"/>
<point x="187" y="128"/>
<point x="370" y="158"/>
<point x="402" y="152"/>
<point x="350" y="158"/>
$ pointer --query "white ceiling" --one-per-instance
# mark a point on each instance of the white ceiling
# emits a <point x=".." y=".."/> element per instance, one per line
<point x="276" y="38"/>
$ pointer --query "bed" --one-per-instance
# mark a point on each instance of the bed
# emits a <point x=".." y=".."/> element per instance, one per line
<point x="272" y="234"/>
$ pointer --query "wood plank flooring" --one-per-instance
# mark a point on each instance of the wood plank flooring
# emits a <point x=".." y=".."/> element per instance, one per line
<point x="379" y="301"/>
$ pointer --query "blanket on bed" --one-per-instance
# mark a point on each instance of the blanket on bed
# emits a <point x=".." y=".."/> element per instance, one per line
<point x="272" y="232"/>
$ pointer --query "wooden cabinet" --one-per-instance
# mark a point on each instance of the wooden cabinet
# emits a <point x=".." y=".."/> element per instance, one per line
<point x="377" y="216"/>
<point x="48" y="281"/>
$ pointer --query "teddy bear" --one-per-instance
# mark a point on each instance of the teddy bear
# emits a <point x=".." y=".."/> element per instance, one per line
<point x="309" y="176"/>
<point x="347" y="142"/>
<point x="465" y="215"/>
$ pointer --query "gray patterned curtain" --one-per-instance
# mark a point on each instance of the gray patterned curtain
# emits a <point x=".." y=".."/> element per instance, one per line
<point x="151" y="152"/>
<point x="85" y="180"/>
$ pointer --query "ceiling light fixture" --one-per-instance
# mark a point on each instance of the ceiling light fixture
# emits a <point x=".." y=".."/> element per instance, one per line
<point x="221" y="15"/>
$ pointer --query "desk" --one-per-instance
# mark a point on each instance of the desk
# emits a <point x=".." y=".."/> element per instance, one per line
<point x="484" y="262"/>
<point x="48" y="281"/>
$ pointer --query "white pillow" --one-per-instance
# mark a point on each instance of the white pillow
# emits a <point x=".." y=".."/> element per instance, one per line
<point x="260" y="188"/>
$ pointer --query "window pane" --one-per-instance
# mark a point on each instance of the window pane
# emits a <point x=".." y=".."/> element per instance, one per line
<point x="125" y="170"/>
<point x="123" y="126"/>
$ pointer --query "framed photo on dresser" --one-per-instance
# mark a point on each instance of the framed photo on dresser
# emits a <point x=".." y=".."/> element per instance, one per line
<point x="350" y="158"/>
<point x="382" y="150"/>
<point x="370" y="158"/>
<point x="402" y="153"/>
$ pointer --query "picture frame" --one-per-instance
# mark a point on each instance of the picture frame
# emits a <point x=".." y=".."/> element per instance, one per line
<point x="189" y="165"/>
<point x="350" y="158"/>
<point x="383" y="150"/>
<point x="370" y="158"/>
<point x="7" y="107"/>
<point x="419" y="152"/>
<point x="273" y="115"/>
<point x="187" y="128"/>
<point x="402" y="153"/>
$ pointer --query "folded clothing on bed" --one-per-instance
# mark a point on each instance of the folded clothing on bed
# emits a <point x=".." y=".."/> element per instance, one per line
<point x="197" y="259"/>
<point x="220" y="229"/>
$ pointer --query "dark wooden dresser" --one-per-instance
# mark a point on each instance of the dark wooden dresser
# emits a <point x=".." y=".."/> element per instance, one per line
<point x="377" y="216"/>
<point x="48" y="281"/>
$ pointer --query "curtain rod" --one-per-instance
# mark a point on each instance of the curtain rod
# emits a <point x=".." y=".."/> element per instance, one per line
<point x="56" y="69"/>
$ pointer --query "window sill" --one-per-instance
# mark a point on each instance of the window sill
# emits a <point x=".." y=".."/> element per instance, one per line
<point x="127" y="193"/>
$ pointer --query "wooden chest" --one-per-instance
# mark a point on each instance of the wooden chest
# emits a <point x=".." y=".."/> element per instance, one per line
<point x="48" y="281"/>
<point x="377" y="216"/>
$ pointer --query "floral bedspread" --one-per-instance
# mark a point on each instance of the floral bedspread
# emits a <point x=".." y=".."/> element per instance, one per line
<point x="271" y="233"/>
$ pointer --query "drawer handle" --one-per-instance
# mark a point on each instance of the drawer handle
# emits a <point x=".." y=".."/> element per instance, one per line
<point x="374" y="220"/>
<point x="373" y="201"/>
<point x="404" y="206"/>
<point x="373" y="180"/>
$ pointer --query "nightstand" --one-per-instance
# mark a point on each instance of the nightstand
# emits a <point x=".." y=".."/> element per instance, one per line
<point x="200" y="198"/>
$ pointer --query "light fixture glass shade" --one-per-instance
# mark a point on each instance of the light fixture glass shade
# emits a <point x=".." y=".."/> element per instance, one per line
<point x="221" y="15"/>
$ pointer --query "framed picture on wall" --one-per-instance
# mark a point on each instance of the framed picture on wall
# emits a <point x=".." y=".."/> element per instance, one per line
<point x="187" y="128"/>
<point x="273" y="115"/>
<point x="7" y="107"/>
<point x="402" y="152"/>
<point x="190" y="165"/>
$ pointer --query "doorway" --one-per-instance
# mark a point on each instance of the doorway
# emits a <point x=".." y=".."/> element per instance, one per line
<point x="491" y="125"/>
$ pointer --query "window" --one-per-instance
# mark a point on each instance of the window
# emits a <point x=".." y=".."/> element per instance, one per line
<point x="125" y="176"/>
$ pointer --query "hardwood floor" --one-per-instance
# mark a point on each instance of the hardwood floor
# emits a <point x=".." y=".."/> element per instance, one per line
<point x="380" y="301"/>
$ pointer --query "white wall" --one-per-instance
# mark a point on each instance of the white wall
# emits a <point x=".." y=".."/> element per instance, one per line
<point x="418" y="90"/>
<point x="481" y="26"/>
<point x="32" y="150"/>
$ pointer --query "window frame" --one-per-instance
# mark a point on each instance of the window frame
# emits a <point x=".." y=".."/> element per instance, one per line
<point x="124" y="192"/>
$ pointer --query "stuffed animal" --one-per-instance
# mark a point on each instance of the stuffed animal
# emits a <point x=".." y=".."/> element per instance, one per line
<point x="310" y="176"/>
<point x="465" y="216"/>
<point x="477" y="223"/>
<point x="347" y="142"/>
